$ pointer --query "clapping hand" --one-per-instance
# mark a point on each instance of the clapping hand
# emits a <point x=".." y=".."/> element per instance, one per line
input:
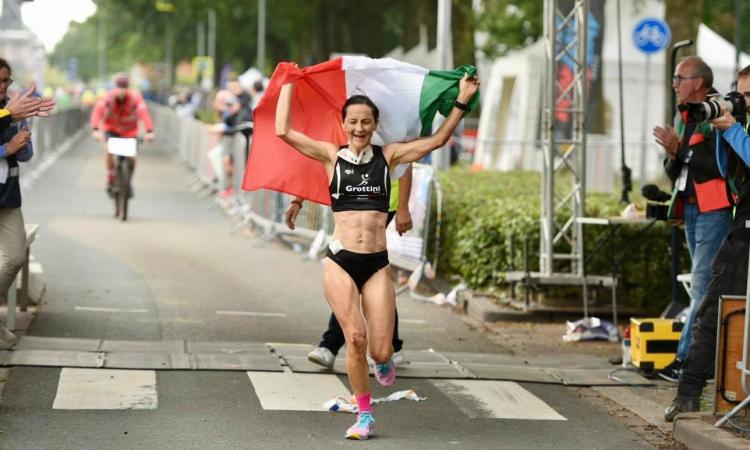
<point x="18" y="142"/>
<point x="667" y="138"/>
<point x="22" y="106"/>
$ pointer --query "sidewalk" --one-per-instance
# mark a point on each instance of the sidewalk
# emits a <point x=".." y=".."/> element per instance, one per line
<point x="538" y="336"/>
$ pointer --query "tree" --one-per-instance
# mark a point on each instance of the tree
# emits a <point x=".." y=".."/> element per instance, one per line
<point x="509" y="24"/>
<point x="307" y="32"/>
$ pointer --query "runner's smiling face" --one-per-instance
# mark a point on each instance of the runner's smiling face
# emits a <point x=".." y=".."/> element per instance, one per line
<point x="359" y="126"/>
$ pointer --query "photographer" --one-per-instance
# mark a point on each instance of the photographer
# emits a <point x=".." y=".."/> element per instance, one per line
<point x="699" y="198"/>
<point x="729" y="269"/>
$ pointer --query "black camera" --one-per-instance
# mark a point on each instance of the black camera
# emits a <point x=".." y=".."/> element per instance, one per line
<point x="656" y="206"/>
<point x="733" y="102"/>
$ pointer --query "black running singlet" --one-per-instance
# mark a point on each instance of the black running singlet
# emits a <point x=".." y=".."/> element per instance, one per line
<point x="361" y="187"/>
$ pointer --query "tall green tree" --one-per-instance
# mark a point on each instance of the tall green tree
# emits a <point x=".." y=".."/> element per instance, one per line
<point x="307" y="32"/>
<point x="509" y="24"/>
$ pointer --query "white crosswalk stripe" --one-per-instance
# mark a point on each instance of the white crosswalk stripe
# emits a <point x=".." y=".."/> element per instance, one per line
<point x="110" y="310"/>
<point x="250" y="313"/>
<point x="292" y="391"/>
<point x="490" y="399"/>
<point x="287" y="391"/>
<point x="106" y="389"/>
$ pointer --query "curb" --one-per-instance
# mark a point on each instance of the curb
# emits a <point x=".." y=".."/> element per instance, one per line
<point x="695" y="433"/>
<point x="485" y="310"/>
<point x="482" y="308"/>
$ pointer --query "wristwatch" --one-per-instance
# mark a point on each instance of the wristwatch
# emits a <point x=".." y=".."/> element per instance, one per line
<point x="461" y="106"/>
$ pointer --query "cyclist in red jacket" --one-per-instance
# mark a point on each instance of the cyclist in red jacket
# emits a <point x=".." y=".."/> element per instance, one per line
<point x="117" y="115"/>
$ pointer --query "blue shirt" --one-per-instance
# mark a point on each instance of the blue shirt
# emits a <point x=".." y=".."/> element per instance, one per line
<point x="6" y="135"/>
<point x="740" y="142"/>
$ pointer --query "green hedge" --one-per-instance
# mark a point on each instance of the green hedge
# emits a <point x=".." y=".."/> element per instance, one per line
<point x="483" y="211"/>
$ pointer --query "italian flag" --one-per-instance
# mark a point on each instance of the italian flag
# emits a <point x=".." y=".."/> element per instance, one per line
<point x="407" y="96"/>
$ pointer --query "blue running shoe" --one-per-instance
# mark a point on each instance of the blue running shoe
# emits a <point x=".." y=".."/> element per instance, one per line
<point x="363" y="428"/>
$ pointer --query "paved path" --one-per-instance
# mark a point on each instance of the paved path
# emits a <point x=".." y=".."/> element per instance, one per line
<point x="165" y="274"/>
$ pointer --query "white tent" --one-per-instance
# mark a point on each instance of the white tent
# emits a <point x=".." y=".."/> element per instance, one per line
<point x="511" y="99"/>
<point x="419" y="55"/>
<point x="719" y="54"/>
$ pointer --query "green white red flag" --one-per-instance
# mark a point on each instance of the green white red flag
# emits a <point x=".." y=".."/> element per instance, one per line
<point x="407" y="96"/>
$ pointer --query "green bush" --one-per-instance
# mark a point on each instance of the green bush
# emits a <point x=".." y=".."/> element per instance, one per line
<point x="484" y="211"/>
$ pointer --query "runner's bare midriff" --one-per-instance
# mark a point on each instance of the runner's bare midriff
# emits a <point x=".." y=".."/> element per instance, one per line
<point x="360" y="231"/>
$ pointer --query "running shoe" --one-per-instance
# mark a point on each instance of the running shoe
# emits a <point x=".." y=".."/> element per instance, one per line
<point x="385" y="373"/>
<point x="672" y="371"/>
<point x="398" y="358"/>
<point x="322" y="357"/>
<point x="363" y="428"/>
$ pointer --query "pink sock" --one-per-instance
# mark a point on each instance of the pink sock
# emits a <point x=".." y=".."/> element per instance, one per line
<point x="363" y="401"/>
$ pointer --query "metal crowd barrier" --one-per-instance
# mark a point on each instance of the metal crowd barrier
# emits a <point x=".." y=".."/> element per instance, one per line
<point x="192" y="141"/>
<point x="52" y="136"/>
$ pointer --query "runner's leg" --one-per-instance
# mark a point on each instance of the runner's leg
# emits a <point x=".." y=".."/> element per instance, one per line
<point x="333" y="338"/>
<point x="343" y="297"/>
<point x="379" y="305"/>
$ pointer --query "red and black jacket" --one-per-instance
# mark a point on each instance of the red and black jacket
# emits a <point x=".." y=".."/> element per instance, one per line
<point x="698" y="152"/>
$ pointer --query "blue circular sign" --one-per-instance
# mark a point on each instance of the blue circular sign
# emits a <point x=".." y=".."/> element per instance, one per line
<point x="651" y="35"/>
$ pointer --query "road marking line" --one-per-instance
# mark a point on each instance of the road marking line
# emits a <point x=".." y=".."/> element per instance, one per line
<point x="100" y="309"/>
<point x="487" y="399"/>
<point x="249" y="313"/>
<point x="296" y="391"/>
<point x="36" y="268"/>
<point x="106" y="389"/>
<point x="413" y="321"/>
<point x="288" y="344"/>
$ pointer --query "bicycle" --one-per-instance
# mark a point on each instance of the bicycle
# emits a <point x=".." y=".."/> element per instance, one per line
<point x="125" y="150"/>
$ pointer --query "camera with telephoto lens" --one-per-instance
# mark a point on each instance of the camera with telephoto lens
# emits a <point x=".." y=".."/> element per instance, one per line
<point x="733" y="102"/>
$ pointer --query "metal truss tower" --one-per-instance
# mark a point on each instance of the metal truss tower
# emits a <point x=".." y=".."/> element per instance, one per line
<point x="564" y="137"/>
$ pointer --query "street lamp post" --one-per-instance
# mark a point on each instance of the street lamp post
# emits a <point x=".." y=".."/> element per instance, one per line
<point x="261" y="62"/>
<point x="212" y="40"/>
<point x="102" y="49"/>
<point x="441" y="157"/>
<point x="168" y="52"/>
<point x="166" y="6"/>
<point x="200" y="44"/>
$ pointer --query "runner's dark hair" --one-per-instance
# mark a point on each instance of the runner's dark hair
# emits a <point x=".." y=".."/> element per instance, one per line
<point x="360" y="100"/>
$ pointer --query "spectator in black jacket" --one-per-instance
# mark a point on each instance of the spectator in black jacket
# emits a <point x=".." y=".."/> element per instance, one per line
<point x="15" y="147"/>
